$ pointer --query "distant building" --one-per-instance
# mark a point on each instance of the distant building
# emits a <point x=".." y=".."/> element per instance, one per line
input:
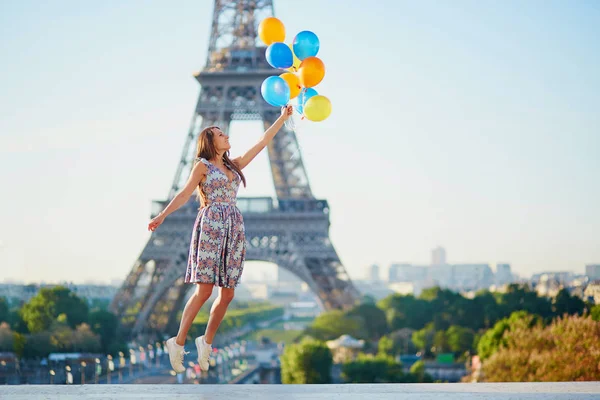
<point x="503" y="274"/>
<point x="373" y="273"/>
<point x="376" y="290"/>
<point x="94" y="292"/>
<point x="23" y="293"/>
<point x="302" y="309"/>
<point x="592" y="292"/>
<point x="404" y="288"/>
<point x="17" y="293"/>
<point x="554" y="277"/>
<point x="457" y="277"/>
<point x="438" y="256"/>
<point x="593" y="271"/>
<point x="258" y="291"/>
<point x="441" y="275"/>
<point x="471" y="276"/>
<point x="345" y="348"/>
<point x="551" y="282"/>
<point x="406" y="273"/>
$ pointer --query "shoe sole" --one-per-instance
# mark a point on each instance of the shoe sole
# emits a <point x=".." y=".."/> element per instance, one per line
<point x="174" y="369"/>
<point x="198" y="343"/>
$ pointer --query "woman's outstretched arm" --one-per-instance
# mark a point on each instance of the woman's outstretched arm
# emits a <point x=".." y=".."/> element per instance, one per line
<point x="270" y="133"/>
<point x="196" y="176"/>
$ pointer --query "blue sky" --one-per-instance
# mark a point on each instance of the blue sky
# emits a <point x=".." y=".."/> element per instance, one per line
<point x="473" y="125"/>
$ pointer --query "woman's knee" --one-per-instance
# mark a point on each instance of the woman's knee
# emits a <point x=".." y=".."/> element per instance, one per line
<point x="203" y="291"/>
<point x="226" y="294"/>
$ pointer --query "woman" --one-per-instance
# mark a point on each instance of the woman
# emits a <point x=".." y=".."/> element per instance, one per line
<point x="218" y="245"/>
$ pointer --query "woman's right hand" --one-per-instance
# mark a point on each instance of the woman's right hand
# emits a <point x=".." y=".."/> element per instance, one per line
<point x="287" y="111"/>
<point x="155" y="222"/>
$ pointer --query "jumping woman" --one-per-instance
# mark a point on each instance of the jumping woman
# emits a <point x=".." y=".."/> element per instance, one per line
<point x="218" y="244"/>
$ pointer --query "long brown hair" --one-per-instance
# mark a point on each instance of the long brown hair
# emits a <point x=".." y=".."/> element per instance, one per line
<point x="206" y="149"/>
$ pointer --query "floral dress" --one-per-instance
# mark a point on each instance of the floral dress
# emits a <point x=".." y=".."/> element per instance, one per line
<point x="218" y="245"/>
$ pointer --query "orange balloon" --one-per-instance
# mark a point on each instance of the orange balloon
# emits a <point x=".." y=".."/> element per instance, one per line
<point x="271" y="30"/>
<point x="311" y="71"/>
<point x="293" y="82"/>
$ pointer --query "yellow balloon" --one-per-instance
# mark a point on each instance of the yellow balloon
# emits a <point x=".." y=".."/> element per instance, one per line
<point x="297" y="61"/>
<point x="293" y="82"/>
<point x="271" y="30"/>
<point x="317" y="108"/>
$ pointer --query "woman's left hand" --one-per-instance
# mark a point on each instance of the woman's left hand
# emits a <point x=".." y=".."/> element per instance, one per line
<point x="287" y="111"/>
<point x="155" y="222"/>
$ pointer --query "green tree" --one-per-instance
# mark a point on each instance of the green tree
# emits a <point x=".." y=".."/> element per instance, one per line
<point x="105" y="324"/>
<point x="368" y="299"/>
<point x="405" y="311"/>
<point x="460" y="339"/>
<point x="494" y="339"/>
<point x="308" y="362"/>
<point x="373" y="369"/>
<point x="398" y="342"/>
<point x="417" y="370"/>
<point x="19" y="344"/>
<point x="38" y="345"/>
<point x="448" y="308"/>
<point x="522" y="298"/>
<point x="7" y="337"/>
<point x="595" y="312"/>
<point x="386" y="346"/>
<point x="373" y="319"/>
<point x="333" y="324"/>
<point x="38" y="314"/>
<point x="84" y="340"/>
<point x="101" y="304"/>
<point x="47" y="304"/>
<point x="486" y="311"/>
<point x="4" y="310"/>
<point x="423" y="338"/>
<point x="440" y="342"/>
<point x="61" y="334"/>
<point x="564" y="303"/>
<point x="566" y="350"/>
<point x="403" y="343"/>
<point x="451" y="308"/>
<point x="66" y="302"/>
<point x="16" y="321"/>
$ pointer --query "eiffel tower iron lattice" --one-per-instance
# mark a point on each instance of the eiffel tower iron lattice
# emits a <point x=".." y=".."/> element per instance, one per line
<point x="291" y="231"/>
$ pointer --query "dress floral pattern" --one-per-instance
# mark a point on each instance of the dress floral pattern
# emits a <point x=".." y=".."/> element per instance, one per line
<point x="218" y="244"/>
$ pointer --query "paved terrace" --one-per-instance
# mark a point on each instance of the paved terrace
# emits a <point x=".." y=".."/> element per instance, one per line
<point x="439" y="391"/>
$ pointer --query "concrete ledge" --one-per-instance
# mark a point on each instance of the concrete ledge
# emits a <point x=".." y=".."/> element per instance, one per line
<point x="445" y="391"/>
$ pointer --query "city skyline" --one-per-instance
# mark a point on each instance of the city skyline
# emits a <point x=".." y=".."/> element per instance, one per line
<point x="476" y="131"/>
<point x="268" y="272"/>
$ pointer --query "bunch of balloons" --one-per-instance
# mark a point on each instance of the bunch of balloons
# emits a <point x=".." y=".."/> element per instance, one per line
<point x="304" y="70"/>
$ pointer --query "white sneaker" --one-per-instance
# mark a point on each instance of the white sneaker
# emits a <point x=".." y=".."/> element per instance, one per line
<point x="176" y="353"/>
<point x="204" y="350"/>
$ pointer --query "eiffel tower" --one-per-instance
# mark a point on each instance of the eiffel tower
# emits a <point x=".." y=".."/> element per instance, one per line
<point x="291" y="230"/>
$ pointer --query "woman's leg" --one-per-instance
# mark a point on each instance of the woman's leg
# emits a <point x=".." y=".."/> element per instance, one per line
<point x="193" y="305"/>
<point x="217" y="312"/>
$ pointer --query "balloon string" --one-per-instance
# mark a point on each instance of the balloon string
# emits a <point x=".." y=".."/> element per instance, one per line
<point x="291" y="124"/>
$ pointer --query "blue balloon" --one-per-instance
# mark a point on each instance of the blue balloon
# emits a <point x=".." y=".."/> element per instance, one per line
<point x="306" y="44"/>
<point x="303" y="97"/>
<point x="279" y="55"/>
<point x="275" y="91"/>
